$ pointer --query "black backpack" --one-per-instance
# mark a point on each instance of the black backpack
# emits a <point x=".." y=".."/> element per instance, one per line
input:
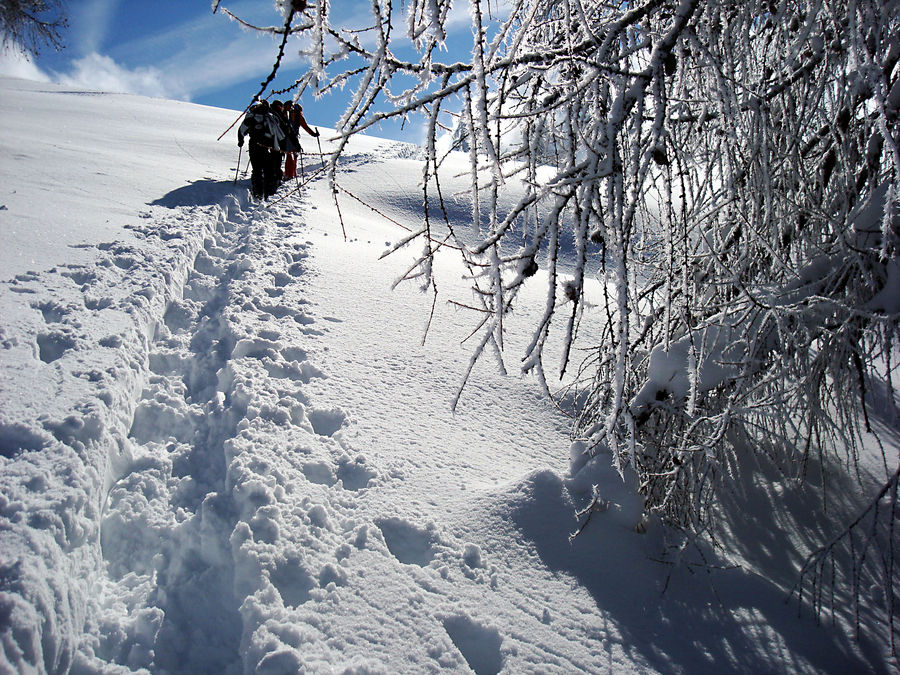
<point x="259" y="128"/>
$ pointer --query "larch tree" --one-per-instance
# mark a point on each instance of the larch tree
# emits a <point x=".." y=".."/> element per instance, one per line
<point x="33" y="23"/>
<point x="731" y="167"/>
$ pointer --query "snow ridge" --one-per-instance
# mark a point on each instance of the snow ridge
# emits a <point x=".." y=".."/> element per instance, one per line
<point x="90" y="327"/>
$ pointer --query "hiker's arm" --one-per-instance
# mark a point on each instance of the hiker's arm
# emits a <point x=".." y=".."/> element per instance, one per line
<point x="242" y="131"/>
<point x="306" y="127"/>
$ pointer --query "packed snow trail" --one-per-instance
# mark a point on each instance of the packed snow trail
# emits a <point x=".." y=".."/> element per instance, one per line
<point x="225" y="448"/>
<point x="260" y="528"/>
<point x="68" y="401"/>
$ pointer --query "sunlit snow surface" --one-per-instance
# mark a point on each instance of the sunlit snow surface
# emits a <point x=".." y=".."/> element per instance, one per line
<point x="224" y="447"/>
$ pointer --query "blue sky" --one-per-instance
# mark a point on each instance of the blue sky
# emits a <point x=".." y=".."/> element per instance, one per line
<point x="179" y="49"/>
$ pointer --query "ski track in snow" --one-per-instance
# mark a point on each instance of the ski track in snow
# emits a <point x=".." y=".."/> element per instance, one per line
<point x="222" y="439"/>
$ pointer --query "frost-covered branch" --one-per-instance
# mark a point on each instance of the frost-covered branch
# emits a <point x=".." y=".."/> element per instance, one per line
<point x="33" y="23"/>
<point x="729" y="171"/>
<point x="869" y="542"/>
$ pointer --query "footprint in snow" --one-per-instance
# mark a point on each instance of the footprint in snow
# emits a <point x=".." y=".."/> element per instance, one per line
<point x="124" y="262"/>
<point x="319" y="473"/>
<point x="409" y="544"/>
<point x="268" y="334"/>
<point x="96" y="304"/>
<point x="52" y="312"/>
<point x="51" y="346"/>
<point x="327" y="422"/>
<point x="80" y="275"/>
<point x="278" y="311"/>
<point x="293" y="582"/>
<point x="293" y="354"/>
<point x="179" y="316"/>
<point x="282" y="279"/>
<point x="479" y="645"/>
<point x="354" y="474"/>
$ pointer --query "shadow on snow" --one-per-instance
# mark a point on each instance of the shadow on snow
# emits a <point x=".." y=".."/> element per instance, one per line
<point x="203" y="192"/>
<point x="699" y="619"/>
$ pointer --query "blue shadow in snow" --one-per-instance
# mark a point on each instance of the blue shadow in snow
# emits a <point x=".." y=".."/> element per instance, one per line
<point x="705" y="621"/>
<point x="459" y="214"/>
<point x="204" y="192"/>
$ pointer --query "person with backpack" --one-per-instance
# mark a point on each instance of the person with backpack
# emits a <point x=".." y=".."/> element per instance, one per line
<point x="277" y="108"/>
<point x="266" y="140"/>
<point x="294" y="114"/>
<point x="292" y="143"/>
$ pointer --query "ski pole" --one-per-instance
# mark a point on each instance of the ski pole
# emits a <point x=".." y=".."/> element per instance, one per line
<point x="238" y="119"/>
<point x="238" y="167"/>
<point x="320" y="149"/>
<point x="322" y="156"/>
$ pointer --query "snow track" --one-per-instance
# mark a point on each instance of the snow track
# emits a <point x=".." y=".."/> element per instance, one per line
<point x="208" y="508"/>
<point x="191" y="525"/>
<point x="90" y="328"/>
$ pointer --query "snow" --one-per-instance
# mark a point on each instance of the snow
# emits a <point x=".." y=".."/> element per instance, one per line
<point x="224" y="446"/>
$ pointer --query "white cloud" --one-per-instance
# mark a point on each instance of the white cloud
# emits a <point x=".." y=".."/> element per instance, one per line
<point x="101" y="73"/>
<point x="207" y="54"/>
<point x="94" y="71"/>
<point x="90" y="23"/>
<point x="210" y="66"/>
<point x="16" y="62"/>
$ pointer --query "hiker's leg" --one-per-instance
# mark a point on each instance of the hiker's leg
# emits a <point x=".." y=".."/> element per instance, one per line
<point x="258" y="159"/>
<point x="273" y="173"/>
<point x="290" y="166"/>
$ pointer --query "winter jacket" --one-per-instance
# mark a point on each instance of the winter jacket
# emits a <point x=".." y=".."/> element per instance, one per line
<point x="291" y="142"/>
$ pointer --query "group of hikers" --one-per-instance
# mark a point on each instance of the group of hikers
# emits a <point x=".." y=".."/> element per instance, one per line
<point x="273" y="130"/>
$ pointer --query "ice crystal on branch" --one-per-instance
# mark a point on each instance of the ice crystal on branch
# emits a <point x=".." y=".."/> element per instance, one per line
<point x="734" y="166"/>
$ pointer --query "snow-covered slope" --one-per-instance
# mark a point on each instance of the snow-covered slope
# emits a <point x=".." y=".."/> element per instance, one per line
<point x="224" y="446"/>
